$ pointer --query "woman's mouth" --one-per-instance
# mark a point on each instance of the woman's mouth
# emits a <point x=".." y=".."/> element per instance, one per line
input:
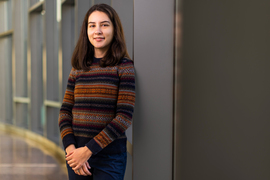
<point x="99" y="39"/>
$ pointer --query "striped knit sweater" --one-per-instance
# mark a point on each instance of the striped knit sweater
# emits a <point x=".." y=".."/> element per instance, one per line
<point x="98" y="106"/>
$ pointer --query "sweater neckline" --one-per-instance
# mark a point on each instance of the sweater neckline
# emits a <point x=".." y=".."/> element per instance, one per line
<point x="96" y="60"/>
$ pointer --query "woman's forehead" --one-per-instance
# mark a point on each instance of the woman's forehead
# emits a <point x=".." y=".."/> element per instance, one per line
<point x="98" y="16"/>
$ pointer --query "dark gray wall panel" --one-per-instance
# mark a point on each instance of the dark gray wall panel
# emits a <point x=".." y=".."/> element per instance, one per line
<point x="6" y="79"/>
<point x="68" y="43"/>
<point x="103" y="1"/>
<point x="20" y="24"/>
<point x="21" y="115"/>
<point x="154" y="59"/>
<point x="52" y="124"/>
<point x="52" y="51"/>
<point x="3" y="56"/>
<point x="225" y="119"/>
<point x="36" y="41"/>
<point x="32" y="2"/>
<point x="124" y="8"/>
<point x="81" y="7"/>
<point x="3" y="21"/>
<point x="20" y="35"/>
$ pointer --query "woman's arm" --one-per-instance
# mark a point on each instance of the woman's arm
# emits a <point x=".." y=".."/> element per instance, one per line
<point x="65" y="115"/>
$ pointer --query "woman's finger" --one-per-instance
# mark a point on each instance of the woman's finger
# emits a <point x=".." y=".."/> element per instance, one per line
<point x="77" y="172"/>
<point x="68" y="158"/>
<point x="69" y="154"/>
<point x="78" y="166"/>
<point x="85" y="170"/>
<point x="87" y="164"/>
<point x="82" y="172"/>
<point x="73" y="165"/>
<point x="69" y="161"/>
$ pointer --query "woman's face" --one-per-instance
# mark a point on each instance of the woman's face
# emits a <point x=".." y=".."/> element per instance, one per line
<point x="100" y="32"/>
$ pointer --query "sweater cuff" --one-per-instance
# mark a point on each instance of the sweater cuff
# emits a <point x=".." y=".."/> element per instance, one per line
<point x="93" y="146"/>
<point x="68" y="140"/>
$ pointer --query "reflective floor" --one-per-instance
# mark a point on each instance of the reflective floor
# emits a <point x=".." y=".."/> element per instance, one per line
<point x="20" y="160"/>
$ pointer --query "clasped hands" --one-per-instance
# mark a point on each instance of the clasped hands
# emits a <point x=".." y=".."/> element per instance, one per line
<point x="77" y="159"/>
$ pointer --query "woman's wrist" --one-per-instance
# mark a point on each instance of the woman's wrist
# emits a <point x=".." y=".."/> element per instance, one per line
<point x="88" y="151"/>
<point x="71" y="147"/>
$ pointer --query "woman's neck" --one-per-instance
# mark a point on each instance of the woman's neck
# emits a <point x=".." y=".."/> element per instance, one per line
<point x="99" y="53"/>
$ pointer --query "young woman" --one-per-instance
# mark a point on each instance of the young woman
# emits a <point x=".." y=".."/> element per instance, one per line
<point x="99" y="100"/>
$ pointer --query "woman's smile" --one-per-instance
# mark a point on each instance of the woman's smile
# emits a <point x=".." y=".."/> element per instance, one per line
<point x="99" y="39"/>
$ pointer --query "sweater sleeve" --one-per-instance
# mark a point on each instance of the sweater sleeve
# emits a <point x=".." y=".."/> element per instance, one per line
<point x="65" y="115"/>
<point x="124" y="109"/>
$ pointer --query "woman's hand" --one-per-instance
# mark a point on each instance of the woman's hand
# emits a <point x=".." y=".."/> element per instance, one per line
<point x="84" y="169"/>
<point x="77" y="159"/>
<point x="70" y="148"/>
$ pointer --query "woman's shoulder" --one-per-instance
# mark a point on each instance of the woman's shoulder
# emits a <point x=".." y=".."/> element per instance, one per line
<point x="125" y="66"/>
<point x="125" y="61"/>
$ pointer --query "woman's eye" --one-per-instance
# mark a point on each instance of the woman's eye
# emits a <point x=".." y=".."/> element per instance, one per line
<point x="105" y="24"/>
<point x="91" y="26"/>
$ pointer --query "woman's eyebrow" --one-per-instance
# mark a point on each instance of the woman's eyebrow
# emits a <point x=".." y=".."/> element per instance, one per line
<point x="100" y="22"/>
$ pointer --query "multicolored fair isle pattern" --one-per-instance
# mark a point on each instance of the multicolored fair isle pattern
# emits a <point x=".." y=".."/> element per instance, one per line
<point x="98" y="105"/>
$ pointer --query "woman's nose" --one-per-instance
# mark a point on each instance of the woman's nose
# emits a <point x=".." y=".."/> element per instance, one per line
<point x="98" y="30"/>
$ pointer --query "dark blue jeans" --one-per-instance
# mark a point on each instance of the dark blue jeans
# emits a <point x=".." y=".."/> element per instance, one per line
<point x="103" y="167"/>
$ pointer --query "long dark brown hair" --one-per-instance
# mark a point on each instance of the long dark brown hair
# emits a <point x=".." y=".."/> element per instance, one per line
<point x="84" y="51"/>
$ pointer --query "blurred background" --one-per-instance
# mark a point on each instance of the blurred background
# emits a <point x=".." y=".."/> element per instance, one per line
<point x="202" y="87"/>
